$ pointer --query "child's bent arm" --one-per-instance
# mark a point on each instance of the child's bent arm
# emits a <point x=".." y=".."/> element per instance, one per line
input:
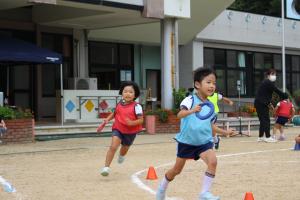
<point x="183" y="113"/>
<point x="292" y="112"/>
<point x="136" y="122"/>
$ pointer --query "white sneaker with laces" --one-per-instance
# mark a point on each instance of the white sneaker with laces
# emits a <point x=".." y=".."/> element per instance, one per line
<point x="121" y="159"/>
<point x="105" y="171"/>
<point x="260" y="139"/>
<point x="270" y="140"/>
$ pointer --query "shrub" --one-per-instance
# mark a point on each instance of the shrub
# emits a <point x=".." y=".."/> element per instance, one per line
<point x="161" y="113"/>
<point x="14" y="113"/>
<point x="178" y="96"/>
<point x="296" y="96"/>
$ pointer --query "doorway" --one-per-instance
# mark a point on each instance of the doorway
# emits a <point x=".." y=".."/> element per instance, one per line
<point x="21" y="86"/>
<point x="153" y="81"/>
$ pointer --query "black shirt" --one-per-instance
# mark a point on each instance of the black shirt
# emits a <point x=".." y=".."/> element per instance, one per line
<point x="265" y="91"/>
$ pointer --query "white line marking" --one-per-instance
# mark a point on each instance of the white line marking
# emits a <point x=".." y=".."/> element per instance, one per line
<point x="135" y="179"/>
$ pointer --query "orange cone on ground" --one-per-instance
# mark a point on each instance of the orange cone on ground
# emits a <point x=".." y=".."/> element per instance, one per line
<point x="151" y="175"/>
<point x="249" y="196"/>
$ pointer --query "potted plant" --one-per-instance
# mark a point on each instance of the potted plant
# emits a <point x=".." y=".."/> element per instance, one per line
<point x="150" y="121"/>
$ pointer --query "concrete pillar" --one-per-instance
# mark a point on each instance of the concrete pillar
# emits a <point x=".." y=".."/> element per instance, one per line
<point x="81" y="53"/>
<point x="169" y="55"/>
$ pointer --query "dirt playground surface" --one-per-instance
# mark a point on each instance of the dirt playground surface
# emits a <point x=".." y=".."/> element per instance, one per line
<point x="69" y="170"/>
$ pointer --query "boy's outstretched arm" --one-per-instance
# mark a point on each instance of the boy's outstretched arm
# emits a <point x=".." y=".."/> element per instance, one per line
<point x="227" y="101"/>
<point x="223" y="132"/>
<point x="109" y="117"/>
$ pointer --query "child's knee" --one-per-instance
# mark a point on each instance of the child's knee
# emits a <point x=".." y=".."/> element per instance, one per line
<point x="213" y="163"/>
<point x="113" y="148"/>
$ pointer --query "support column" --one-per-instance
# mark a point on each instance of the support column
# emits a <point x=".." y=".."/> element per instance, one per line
<point x="169" y="56"/>
<point x="81" y="53"/>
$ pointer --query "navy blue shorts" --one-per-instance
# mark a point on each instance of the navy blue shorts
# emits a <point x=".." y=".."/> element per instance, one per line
<point x="282" y="120"/>
<point x="191" y="151"/>
<point x="126" y="139"/>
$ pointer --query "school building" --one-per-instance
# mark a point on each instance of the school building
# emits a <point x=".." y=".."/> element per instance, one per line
<point x="105" y="42"/>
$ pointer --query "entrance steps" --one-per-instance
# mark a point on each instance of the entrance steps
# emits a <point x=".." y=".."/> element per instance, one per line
<point x="74" y="130"/>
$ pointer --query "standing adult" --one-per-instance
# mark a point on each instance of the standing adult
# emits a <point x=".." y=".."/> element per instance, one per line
<point x="262" y="103"/>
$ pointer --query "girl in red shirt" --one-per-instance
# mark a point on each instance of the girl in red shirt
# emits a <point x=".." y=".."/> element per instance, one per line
<point x="128" y="122"/>
<point x="284" y="112"/>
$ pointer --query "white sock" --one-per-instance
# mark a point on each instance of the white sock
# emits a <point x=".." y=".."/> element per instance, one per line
<point x="164" y="184"/>
<point x="216" y="139"/>
<point x="207" y="182"/>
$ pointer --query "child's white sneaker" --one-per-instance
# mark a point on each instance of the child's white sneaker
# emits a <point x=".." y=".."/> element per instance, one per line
<point x="281" y="137"/>
<point x="121" y="159"/>
<point x="208" y="196"/>
<point x="105" y="171"/>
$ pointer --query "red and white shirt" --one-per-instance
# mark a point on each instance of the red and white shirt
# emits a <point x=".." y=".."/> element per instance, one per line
<point x="129" y="111"/>
<point x="284" y="108"/>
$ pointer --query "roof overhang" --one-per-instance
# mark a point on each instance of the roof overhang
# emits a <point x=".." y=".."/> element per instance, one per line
<point x="115" y="20"/>
<point x="202" y="13"/>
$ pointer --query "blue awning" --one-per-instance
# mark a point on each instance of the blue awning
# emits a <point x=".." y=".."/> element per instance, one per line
<point x="14" y="50"/>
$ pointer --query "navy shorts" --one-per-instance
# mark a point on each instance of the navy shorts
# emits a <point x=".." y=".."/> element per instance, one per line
<point x="126" y="139"/>
<point x="191" y="151"/>
<point x="282" y="120"/>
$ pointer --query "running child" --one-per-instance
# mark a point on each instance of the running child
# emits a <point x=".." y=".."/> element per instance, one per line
<point x="3" y="128"/>
<point x="128" y="122"/>
<point x="195" y="137"/>
<point x="284" y="111"/>
<point x="215" y="98"/>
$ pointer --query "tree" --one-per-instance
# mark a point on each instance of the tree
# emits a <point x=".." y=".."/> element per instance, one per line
<point x="264" y="7"/>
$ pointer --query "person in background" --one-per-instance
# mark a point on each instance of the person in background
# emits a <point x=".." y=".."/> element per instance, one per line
<point x="297" y="139"/>
<point x="262" y="103"/>
<point x="284" y="112"/>
<point x="215" y="98"/>
<point x="3" y="127"/>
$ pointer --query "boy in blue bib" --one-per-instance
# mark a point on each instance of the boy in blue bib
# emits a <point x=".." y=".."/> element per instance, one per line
<point x="195" y="137"/>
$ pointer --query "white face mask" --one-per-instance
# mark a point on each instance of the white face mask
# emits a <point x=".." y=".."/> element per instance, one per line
<point x="272" y="78"/>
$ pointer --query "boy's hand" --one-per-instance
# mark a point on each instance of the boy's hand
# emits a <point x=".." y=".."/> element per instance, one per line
<point x="197" y="108"/>
<point x="230" y="132"/>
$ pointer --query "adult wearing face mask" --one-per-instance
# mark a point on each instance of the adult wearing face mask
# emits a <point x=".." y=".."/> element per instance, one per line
<point x="262" y="102"/>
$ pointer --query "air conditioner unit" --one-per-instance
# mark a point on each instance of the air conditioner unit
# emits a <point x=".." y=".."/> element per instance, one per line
<point x="78" y="83"/>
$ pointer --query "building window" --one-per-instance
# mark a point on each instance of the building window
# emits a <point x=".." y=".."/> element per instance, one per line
<point x="231" y="59"/>
<point x="209" y="58"/>
<point x="249" y="68"/>
<point x="110" y="63"/>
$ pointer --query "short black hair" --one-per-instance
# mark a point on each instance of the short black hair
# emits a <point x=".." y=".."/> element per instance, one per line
<point x="285" y="96"/>
<point x="130" y="83"/>
<point x="201" y="73"/>
<point x="270" y="71"/>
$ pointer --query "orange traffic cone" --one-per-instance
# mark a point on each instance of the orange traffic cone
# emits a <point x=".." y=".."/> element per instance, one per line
<point x="249" y="196"/>
<point x="151" y="175"/>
